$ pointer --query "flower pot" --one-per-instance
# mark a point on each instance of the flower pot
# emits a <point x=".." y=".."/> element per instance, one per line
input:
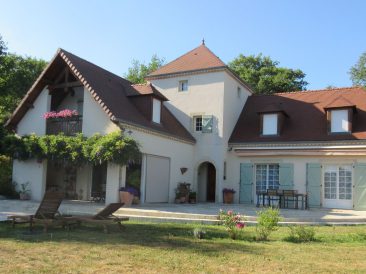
<point x="24" y="196"/>
<point x="228" y="197"/>
<point x="126" y="198"/>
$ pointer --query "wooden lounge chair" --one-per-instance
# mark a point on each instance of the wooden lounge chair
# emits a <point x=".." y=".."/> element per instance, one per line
<point x="104" y="217"/>
<point x="45" y="214"/>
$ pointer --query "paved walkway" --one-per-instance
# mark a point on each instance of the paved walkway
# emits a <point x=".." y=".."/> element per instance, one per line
<point x="187" y="212"/>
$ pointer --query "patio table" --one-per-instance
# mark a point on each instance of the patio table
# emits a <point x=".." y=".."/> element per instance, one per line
<point x="284" y="197"/>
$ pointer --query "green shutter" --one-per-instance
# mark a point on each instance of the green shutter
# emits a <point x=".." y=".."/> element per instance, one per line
<point x="207" y="121"/>
<point x="286" y="176"/>
<point x="313" y="184"/>
<point x="246" y="183"/>
<point x="359" y="199"/>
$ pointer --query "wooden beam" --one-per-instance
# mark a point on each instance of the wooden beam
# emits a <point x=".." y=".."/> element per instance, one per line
<point x="66" y="85"/>
<point x="66" y="79"/>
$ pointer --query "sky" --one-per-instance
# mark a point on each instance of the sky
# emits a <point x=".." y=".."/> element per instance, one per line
<point x="323" y="38"/>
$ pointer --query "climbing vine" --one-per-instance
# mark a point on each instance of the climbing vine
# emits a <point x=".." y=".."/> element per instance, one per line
<point x="113" y="147"/>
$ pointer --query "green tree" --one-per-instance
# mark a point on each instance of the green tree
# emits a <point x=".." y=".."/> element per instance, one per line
<point x="137" y="73"/>
<point x="358" y="71"/>
<point x="3" y="47"/>
<point x="265" y="76"/>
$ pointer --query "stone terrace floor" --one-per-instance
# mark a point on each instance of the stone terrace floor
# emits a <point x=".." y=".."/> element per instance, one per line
<point x="200" y="212"/>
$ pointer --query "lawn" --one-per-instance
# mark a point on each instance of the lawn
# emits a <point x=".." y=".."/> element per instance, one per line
<point x="171" y="248"/>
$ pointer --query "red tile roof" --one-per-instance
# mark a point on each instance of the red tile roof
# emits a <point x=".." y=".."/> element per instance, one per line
<point x="306" y="119"/>
<point x="146" y="89"/>
<point x="200" y="58"/>
<point x="109" y="90"/>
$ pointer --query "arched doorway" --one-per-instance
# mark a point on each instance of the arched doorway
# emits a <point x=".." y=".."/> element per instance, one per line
<point x="206" y="179"/>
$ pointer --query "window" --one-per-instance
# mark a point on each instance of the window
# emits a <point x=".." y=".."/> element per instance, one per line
<point x="198" y="123"/>
<point x="238" y="92"/>
<point x="183" y="85"/>
<point x="203" y="123"/>
<point x="338" y="183"/>
<point x="267" y="176"/>
<point x="269" y="124"/>
<point x="339" y="121"/>
<point x="156" y="111"/>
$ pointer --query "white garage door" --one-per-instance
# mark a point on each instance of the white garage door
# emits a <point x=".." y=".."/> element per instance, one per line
<point x="157" y="179"/>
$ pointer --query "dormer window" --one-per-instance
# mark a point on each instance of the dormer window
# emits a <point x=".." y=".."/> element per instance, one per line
<point x="156" y="112"/>
<point x="340" y="120"/>
<point x="183" y="85"/>
<point x="270" y="124"/>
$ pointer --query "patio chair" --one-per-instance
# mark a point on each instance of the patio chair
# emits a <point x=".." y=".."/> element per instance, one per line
<point x="104" y="217"/>
<point x="45" y="214"/>
<point x="273" y="196"/>
<point x="289" y="198"/>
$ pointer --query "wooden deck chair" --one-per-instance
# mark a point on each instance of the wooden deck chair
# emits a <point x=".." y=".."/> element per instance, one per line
<point x="45" y="214"/>
<point x="104" y="217"/>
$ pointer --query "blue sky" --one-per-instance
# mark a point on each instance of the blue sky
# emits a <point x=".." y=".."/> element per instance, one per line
<point x="324" y="38"/>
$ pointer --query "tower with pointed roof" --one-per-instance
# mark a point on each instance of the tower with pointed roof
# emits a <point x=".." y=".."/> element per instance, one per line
<point x="206" y="97"/>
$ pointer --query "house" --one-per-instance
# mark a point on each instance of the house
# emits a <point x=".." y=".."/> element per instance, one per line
<point x="198" y="122"/>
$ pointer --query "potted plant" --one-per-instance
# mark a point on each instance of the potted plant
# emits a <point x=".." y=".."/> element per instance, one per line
<point x="126" y="195"/>
<point x="228" y="194"/>
<point x="182" y="192"/>
<point x="24" y="191"/>
<point x="192" y="197"/>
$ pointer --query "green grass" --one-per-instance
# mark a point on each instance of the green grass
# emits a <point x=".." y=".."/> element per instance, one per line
<point x="171" y="248"/>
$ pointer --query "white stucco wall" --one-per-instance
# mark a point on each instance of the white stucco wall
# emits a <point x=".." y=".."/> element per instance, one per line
<point x="299" y="162"/>
<point x="180" y="154"/>
<point x="208" y="94"/>
<point x="33" y="122"/>
<point x="33" y="172"/>
<point x="95" y="120"/>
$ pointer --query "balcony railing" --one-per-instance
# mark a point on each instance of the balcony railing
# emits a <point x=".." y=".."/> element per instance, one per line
<point x="69" y="126"/>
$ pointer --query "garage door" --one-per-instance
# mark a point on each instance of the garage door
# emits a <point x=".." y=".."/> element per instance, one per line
<point x="157" y="179"/>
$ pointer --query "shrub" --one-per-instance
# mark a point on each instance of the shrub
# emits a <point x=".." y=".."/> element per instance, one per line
<point x="301" y="233"/>
<point x="232" y="221"/>
<point x="199" y="233"/>
<point x="267" y="222"/>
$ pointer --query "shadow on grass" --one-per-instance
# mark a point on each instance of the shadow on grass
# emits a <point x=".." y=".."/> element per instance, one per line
<point x="160" y="236"/>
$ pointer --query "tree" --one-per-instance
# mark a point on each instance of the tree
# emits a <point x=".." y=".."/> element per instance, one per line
<point x="264" y="75"/>
<point x="17" y="74"/>
<point x="137" y="73"/>
<point x="358" y="71"/>
<point x="3" y="47"/>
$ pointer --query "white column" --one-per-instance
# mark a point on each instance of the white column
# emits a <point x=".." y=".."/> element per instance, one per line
<point x="113" y="183"/>
<point x="143" y="178"/>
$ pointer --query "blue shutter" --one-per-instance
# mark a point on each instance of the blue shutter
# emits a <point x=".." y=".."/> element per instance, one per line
<point x="359" y="198"/>
<point x="246" y="183"/>
<point x="207" y="121"/>
<point x="286" y="176"/>
<point x="313" y="184"/>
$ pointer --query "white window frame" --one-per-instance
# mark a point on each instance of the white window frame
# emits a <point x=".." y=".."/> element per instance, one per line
<point x="156" y="111"/>
<point x="341" y="199"/>
<point x="270" y="124"/>
<point x="197" y="123"/>
<point x="339" y="121"/>
<point x="183" y="86"/>
<point x="267" y="174"/>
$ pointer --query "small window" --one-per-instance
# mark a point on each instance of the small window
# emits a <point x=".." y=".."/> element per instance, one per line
<point x="339" y="121"/>
<point x="270" y="124"/>
<point x="156" y="111"/>
<point x="198" y="123"/>
<point x="183" y="85"/>
<point x="238" y="92"/>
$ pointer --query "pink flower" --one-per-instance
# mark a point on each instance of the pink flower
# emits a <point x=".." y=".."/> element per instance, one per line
<point x="61" y="114"/>
<point x="230" y="212"/>
<point x="240" y="225"/>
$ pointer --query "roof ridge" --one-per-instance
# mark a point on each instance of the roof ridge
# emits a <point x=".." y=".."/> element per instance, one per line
<point x="310" y="91"/>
